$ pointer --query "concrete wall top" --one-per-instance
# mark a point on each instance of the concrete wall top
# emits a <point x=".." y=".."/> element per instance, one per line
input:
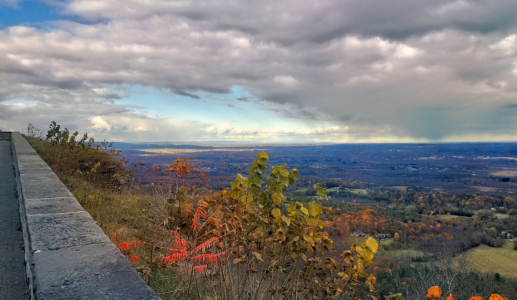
<point x="68" y="256"/>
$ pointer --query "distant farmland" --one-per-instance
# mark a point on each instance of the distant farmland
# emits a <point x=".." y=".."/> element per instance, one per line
<point x="495" y="260"/>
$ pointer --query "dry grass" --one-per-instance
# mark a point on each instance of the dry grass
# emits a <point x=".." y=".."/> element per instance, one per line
<point x="123" y="209"/>
<point x="131" y="211"/>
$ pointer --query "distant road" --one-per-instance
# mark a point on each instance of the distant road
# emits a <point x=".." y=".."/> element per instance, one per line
<point x="13" y="283"/>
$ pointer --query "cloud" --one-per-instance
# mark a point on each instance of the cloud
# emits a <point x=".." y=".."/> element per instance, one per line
<point x="371" y="66"/>
<point x="286" y="80"/>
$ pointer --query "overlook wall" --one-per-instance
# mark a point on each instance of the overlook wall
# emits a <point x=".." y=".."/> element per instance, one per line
<point x="67" y="255"/>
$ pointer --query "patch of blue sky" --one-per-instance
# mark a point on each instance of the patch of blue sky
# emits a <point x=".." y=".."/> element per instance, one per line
<point x="19" y="101"/>
<point x="210" y="108"/>
<point x="28" y="13"/>
<point x="33" y="13"/>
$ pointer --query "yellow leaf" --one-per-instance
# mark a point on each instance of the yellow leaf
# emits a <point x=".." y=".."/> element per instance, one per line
<point x="372" y="279"/>
<point x="304" y="210"/>
<point x="258" y="256"/>
<point x="276" y="213"/>
<point x="371" y="244"/>
<point x="278" y="198"/>
<point x="308" y="239"/>
<point x="245" y="199"/>
<point x="315" y="208"/>
<point x="238" y="260"/>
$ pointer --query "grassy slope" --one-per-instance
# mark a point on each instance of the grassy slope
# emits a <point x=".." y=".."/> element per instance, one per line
<point x="397" y="254"/>
<point x="359" y="191"/>
<point x="451" y="217"/>
<point x="498" y="260"/>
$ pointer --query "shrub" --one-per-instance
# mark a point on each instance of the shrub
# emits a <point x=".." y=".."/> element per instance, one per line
<point x="276" y="248"/>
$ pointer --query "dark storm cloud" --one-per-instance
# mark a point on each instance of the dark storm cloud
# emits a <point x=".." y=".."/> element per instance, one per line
<point x="288" y="22"/>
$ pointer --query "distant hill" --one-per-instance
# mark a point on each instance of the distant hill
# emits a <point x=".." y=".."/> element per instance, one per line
<point x="125" y="146"/>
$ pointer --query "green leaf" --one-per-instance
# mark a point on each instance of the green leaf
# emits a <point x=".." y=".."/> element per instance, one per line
<point x="291" y="207"/>
<point x="295" y="174"/>
<point x="255" y="189"/>
<point x="255" y="178"/>
<point x="262" y="158"/>
<point x="284" y="172"/>
<point x="276" y="213"/>
<point x="246" y="183"/>
<point x="278" y="198"/>
<point x="245" y="199"/>
<point x="315" y="208"/>
<point x="240" y="178"/>
<point x="263" y="169"/>
<point x="251" y="208"/>
<point x="321" y="192"/>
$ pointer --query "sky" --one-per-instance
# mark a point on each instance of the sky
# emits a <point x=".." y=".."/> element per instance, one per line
<point x="282" y="71"/>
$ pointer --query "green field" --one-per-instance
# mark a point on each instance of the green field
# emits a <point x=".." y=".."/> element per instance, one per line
<point x="451" y="217"/>
<point x="496" y="260"/>
<point x="502" y="216"/>
<point x="300" y="192"/>
<point x="396" y="254"/>
<point x="334" y="189"/>
<point x="359" y="191"/>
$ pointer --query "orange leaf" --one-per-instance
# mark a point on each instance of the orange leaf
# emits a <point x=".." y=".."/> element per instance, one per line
<point x="496" y="297"/>
<point x="434" y="292"/>
<point x="450" y="297"/>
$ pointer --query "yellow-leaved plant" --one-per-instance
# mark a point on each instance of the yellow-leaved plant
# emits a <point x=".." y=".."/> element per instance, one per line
<point x="282" y="244"/>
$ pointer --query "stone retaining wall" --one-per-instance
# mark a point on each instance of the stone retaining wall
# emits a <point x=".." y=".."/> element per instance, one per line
<point x="67" y="254"/>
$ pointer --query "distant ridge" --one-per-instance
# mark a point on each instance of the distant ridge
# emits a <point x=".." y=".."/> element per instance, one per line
<point x="124" y="146"/>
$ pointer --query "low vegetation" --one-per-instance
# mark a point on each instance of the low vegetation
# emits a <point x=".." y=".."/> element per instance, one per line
<point x="256" y="240"/>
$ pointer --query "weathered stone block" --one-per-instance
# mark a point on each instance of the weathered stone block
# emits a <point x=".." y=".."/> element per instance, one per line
<point x="52" y="206"/>
<point x="38" y="186"/>
<point x="88" y="272"/>
<point x="52" y="232"/>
